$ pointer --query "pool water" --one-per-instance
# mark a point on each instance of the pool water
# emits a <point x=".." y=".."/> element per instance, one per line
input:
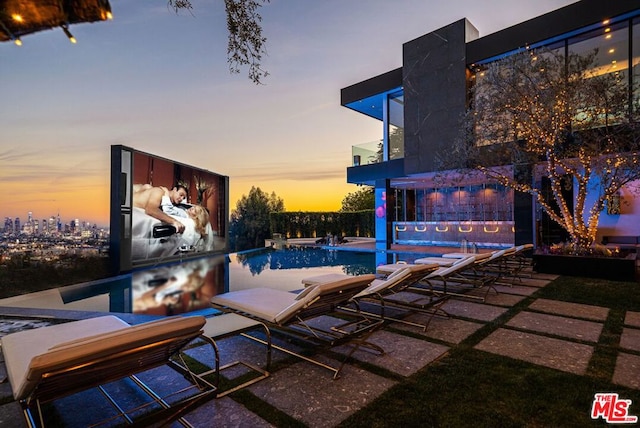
<point x="188" y="286"/>
<point x="284" y="269"/>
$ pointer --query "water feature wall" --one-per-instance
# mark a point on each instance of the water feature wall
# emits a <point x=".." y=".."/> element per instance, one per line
<point x="480" y="214"/>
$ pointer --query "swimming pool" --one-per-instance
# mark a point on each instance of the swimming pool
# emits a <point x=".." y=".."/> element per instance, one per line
<point x="284" y="269"/>
<point x="188" y="286"/>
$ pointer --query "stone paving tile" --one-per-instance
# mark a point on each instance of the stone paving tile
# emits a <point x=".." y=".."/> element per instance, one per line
<point x="627" y="371"/>
<point x="533" y="282"/>
<point x="5" y="388"/>
<point x="73" y="411"/>
<point x="448" y="330"/>
<point x="545" y="351"/>
<point x="630" y="339"/>
<point x="504" y="299"/>
<point x="494" y="296"/>
<point x="556" y="325"/>
<point x="403" y="355"/>
<point x="520" y="290"/>
<point x="309" y="394"/>
<point x="473" y="310"/>
<point x="595" y="313"/>
<point x="225" y="412"/>
<point x="545" y="276"/>
<point x="234" y="349"/>
<point x="11" y="415"/>
<point x="409" y="297"/>
<point x="632" y="319"/>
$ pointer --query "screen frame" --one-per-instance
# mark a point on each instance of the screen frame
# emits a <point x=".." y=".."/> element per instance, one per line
<point x="126" y="167"/>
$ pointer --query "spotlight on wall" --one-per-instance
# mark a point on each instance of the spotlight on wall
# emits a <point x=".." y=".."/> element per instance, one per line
<point x="65" y="28"/>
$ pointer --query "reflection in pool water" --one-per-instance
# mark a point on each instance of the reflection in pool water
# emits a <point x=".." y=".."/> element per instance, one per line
<point x="188" y="286"/>
<point x="284" y="269"/>
<point x="351" y="262"/>
<point x="177" y="288"/>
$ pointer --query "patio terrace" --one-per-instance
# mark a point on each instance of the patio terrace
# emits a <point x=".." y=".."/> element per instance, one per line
<point x="520" y="330"/>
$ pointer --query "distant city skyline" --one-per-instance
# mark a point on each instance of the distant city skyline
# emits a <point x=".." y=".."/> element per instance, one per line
<point x="63" y="219"/>
<point x="160" y="83"/>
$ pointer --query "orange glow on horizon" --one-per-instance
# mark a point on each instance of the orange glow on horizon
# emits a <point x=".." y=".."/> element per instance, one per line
<point x="325" y="195"/>
<point x="75" y="199"/>
<point x="89" y="201"/>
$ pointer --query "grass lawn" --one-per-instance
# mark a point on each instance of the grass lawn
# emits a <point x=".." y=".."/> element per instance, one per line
<point x="474" y="388"/>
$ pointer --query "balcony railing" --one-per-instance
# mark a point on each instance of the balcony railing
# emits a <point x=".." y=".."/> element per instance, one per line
<point x="367" y="153"/>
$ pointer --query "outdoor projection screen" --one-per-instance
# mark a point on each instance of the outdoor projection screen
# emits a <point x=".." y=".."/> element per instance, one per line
<point x="139" y="238"/>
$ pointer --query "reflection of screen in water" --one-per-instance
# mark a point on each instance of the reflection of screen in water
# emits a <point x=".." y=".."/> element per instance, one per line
<point x="180" y="288"/>
<point x="144" y="210"/>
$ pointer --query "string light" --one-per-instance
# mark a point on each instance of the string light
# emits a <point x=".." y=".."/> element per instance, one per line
<point x="65" y="28"/>
<point x="542" y="122"/>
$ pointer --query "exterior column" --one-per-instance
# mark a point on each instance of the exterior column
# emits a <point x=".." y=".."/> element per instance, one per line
<point x="384" y="214"/>
<point x="523" y="208"/>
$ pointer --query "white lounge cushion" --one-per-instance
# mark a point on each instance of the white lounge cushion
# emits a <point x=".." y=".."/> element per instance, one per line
<point x="378" y="285"/>
<point x="390" y="268"/>
<point x="327" y="277"/>
<point x="20" y="348"/>
<point x="446" y="271"/>
<point x="31" y="354"/>
<point x="264" y="303"/>
<point x="441" y="261"/>
<point x="278" y="306"/>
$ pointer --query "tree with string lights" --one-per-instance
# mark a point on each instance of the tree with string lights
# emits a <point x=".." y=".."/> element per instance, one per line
<point x="541" y="113"/>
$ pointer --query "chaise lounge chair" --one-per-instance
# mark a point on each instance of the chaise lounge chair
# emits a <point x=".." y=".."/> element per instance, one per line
<point x="493" y="268"/>
<point x="298" y="314"/>
<point x="460" y="278"/>
<point x="392" y="291"/>
<point x="49" y="363"/>
<point x="401" y="290"/>
<point x="515" y="264"/>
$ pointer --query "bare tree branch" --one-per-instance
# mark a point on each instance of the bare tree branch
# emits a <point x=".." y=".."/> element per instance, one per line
<point x="246" y="44"/>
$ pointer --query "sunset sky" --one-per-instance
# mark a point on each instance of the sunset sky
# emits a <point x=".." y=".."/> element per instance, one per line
<point x="160" y="83"/>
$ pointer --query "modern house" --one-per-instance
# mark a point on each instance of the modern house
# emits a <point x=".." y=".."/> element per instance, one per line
<point x="420" y="104"/>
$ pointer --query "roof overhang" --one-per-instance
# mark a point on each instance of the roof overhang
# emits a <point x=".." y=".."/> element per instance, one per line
<point x="368" y="96"/>
<point x="574" y="19"/>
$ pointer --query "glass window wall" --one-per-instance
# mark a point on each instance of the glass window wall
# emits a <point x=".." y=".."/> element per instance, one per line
<point x="611" y="44"/>
<point x="611" y="47"/>
<point x="396" y="125"/>
<point x="482" y="202"/>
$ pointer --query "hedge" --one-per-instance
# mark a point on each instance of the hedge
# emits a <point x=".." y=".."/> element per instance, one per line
<point x="305" y="224"/>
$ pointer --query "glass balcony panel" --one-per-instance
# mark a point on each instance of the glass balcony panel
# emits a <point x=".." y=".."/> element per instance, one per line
<point x="367" y="153"/>
<point x="396" y="126"/>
